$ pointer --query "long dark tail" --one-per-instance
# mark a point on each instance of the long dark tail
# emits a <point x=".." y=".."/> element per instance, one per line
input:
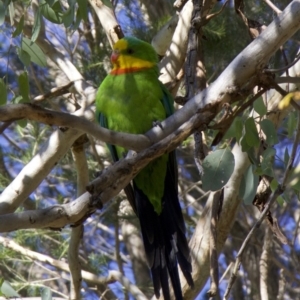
<point x="164" y="237"/>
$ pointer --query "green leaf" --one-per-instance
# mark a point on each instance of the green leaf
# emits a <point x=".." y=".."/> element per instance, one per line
<point x="46" y="294"/>
<point x="280" y="200"/>
<point x="259" y="171"/>
<point x="8" y="291"/>
<point x="244" y="144"/>
<point x="249" y="185"/>
<point x="68" y="17"/>
<point x="83" y="9"/>
<point x="269" y="129"/>
<point x="22" y="123"/>
<point x="77" y="21"/>
<point x="19" y="27"/>
<point x="294" y="179"/>
<point x="52" y="13"/>
<point x="292" y="123"/>
<point x="239" y="125"/>
<point x="267" y="161"/>
<point x="24" y="86"/>
<point x="11" y="11"/>
<point x="36" y="25"/>
<point x="235" y="130"/>
<point x="2" y="12"/>
<point x="3" y="92"/>
<point x="36" y="54"/>
<point x="50" y="2"/>
<point x="251" y="134"/>
<point x="259" y="107"/>
<point x="17" y="99"/>
<point x="107" y="3"/>
<point x="24" y="56"/>
<point x="286" y="156"/>
<point x="252" y="156"/>
<point x="273" y="185"/>
<point x="269" y="153"/>
<point x="217" y="169"/>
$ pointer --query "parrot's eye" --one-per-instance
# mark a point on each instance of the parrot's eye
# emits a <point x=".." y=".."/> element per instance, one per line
<point x="129" y="51"/>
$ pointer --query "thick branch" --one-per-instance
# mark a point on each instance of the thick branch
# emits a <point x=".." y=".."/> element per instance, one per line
<point x="108" y="21"/>
<point x="108" y="185"/>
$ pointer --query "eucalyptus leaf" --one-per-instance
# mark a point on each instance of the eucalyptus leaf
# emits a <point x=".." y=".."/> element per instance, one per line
<point x="274" y="184"/>
<point x="280" y="200"/>
<point x="83" y="9"/>
<point x="50" y="2"/>
<point x="7" y="290"/>
<point x="18" y="99"/>
<point x="286" y="156"/>
<point x="46" y="294"/>
<point x="2" y="12"/>
<point x="238" y="128"/>
<point x="24" y="86"/>
<point x="77" y="21"/>
<point x="217" y="169"/>
<point x="19" y="27"/>
<point x="36" y="25"/>
<point x="68" y="17"/>
<point x="269" y="129"/>
<point x="268" y="161"/>
<point x="24" y="56"/>
<point x="3" y="92"/>
<point x="251" y="134"/>
<point x="249" y="185"/>
<point x="52" y="13"/>
<point x="252" y="156"/>
<point x="22" y="123"/>
<point x="260" y="107"/>
<point x="36" y="54"/>
<point x="244" y="144"/>
<point x="11" y="10"/>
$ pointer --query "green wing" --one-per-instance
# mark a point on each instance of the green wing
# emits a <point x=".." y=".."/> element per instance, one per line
<point x="113" y="152"/>
<point x="168" y="104"/>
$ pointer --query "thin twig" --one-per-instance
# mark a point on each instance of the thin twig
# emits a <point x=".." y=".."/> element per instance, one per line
<point x="283" y="69"/>
<point x="226" y="272"/>
<point x="118" y="249"/>
<point x="273" y="6"/>
<point x="214" y="270"/>
<point x="55" y="92"/>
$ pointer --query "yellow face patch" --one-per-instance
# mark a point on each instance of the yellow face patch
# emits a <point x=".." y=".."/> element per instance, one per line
<point x="130" y="62"/>
<point x="121" y="45"/>
<point x="126" y="63"/>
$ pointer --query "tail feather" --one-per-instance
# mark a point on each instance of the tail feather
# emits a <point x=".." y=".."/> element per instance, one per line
<point x="164" y="239"/>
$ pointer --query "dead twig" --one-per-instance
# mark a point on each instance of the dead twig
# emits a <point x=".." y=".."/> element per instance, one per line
<point x="55" y="92"/>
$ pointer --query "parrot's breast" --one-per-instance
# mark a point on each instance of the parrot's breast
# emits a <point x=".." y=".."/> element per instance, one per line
<point x="132" y="103"/>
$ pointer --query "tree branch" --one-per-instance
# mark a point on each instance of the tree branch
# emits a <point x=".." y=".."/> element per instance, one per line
<point x="77" y="232"/>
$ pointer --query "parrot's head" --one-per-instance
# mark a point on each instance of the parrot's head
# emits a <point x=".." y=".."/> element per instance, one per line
<point x="131" y="54"/>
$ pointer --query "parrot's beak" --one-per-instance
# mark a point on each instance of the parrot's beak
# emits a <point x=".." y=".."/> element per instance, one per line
<point x="114" y="56"/>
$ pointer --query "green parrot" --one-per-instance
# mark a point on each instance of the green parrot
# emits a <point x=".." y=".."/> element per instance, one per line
<point x="131" y="99"/>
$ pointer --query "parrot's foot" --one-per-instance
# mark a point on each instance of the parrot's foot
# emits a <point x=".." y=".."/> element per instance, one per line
<point x="157" y="123"/>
